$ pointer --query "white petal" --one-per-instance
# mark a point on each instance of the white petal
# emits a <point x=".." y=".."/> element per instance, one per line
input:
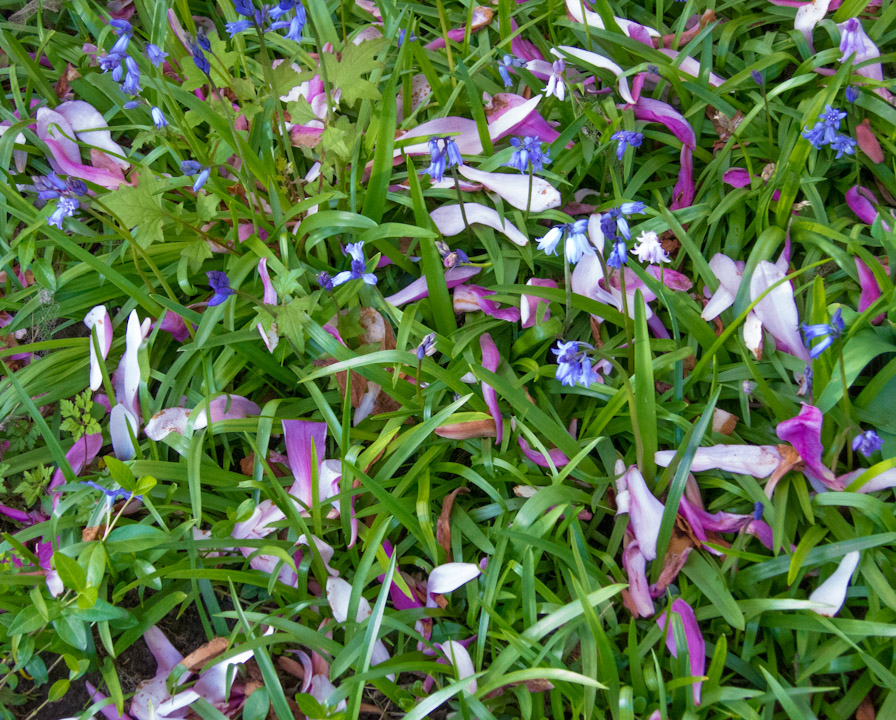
<point x="760" y="461"/>
<point x="338" y="594"/>
<point x="515" y="188"/>
<point x="450" y="221"/>
<point x="832" y="592"/>
<point x="459" y="657"/>
<point x="450" y="576"/>
<point x="119" y="420"/>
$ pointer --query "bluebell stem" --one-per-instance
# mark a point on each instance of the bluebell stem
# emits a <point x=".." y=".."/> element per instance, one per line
<point x="619" y="255"/>
<point x="220" y="285"/>
<point x="828" y="333"/>
<point x="867" y="443"/>
<point x="626" y="138"/>
<point x="573" y="364"/>
<point x="504" y="65"/>
<point x="131" y="84"/>
<point x="325" y="281"/>
<point x="155" y="54"/>
<point x="427" y="346"/>
<point x="528" y="152"/>
<point x="358" y="266"/>
<point x="66" y="207"/>
<point x="852" y="94"/>
<point x="844" y="145"/>
<point x="158" y="118"/>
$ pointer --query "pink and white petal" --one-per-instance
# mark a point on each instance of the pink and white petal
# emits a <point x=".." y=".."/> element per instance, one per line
<point x="326" y="551"/>
<point x="503" y="123"/>
<point x="338" y="594"/>
<point x="130" y="365"/>
<point x="804" y="433"/>
<point x="162" y="650"/>
<point x="463" y="130"/>
<point x="53" y="126"/>
<point x="599" y="61"/>
<point x="167" y="421"/>
<point x="490" y="361"/>
<point x="321" y="690"/>
<point x="882" y="481"/>
<point x="450" y="221"/>
<point x="227" y="407"/>
<point x="831" y="594"/>
<point x="178" y="702"/>
<point x="460" y="658"/>
<point x="270" y="295"/>
<point x="645" y="511"/>
<point x="529" y="304"/>
<point x="120" y="418"/>
<point x="109" y="712"/>
<point x="635" y="565"/>
<point x="98" y="319"/>
<point x="696" y="646"/>
<point x="672" y="279"/>
<point x="79" y="456"/>
<point x="517" y="109"/>
<point x="515" y="188"/>
<point x="808" y="16"/>
<point x="690" y="66"/>
<point x="580" y="13"/>
<point x="303" y="437"/>
<point x="417" y="290"/>
<point x="557" y="456"/>
<point x="752" y="331"/>
<point x="760" y="461"/>
<point x="448" y="577"/>
<point x="67" y="166"/>
<point x="92" y="129"/>
<point x="658" y="111"/>
<point x="777" y="310"/>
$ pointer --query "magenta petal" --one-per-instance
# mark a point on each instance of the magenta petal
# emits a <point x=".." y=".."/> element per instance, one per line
<point x="670" y="278"/>
<point x="862" y="201"/>
<point x="870" y="289"/>
<point x="683" y="192"/>
<point x="696" y="646"/>
<point x="109" y="712"/>
<point x="557" y="456"/>
<point x="228" y="407"/>
<point x="418" y="290"/>
<point x="300" y="437"/>
<point x="657" y="111"/>
<point x="736" y="177"/>
<point x="530" y="304"/>
<point x="79" y="456"/>
<point x="523" y="49"/>
<point x="804" y="433"/>
<point x="490" y="360"/>
<point x="270" y="295"/>
<point x="103" y="178"/>
<point x="176" y="325"/>
<point x="635" y="565"/>
<point x="472" y="298"/>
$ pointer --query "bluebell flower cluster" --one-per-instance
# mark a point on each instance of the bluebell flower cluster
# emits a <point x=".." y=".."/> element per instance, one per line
<point x="825" y="132"/>
<point x="573" y="364"/>
<point x="614" y="226"/>
<point x="118" y="55"/>
<point x="325" y="281"/>
<point x="827" y="331"/>
<point x="626" y="138"/>
<point x="528" y="153"/>
<point x="577" y="242"/>
<point x="52" y="187"/>
<point x="358" y="266"/>
<point x="191" y="168"/>
<point x="504" y="65"/>
<point x="270" y="17"/>
<point x="220" y="285"/>
<point x="443" y="154"/>
<point x="867" y="443"/>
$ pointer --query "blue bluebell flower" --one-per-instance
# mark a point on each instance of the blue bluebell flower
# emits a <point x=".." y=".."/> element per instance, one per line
<point x="828" y="333"/>
<point x="131" y="84"/>
<point x="237" y="26"/>
<point x="76" y="186"/>
<point x="131" y="104"/>
<point x="844" y="145"/>
<point x="220" y="285"/>
<point x="155" y="54"/>
<point x="816" y="135"/>
<point x="203" y="41"/>
<point x="427" y="346"/>
<point x="121" y="27"/>
<point x="867" y="443"/>
<point x="573" y="364"/>
<point x="758" y="509"/>
<point x="619" y="255"/>
<point x="110" y="62"/>
<point x="201" y="179"/>
<point x="626" y="138"/>
<point x="613" y="222"/>
<point x="832" y="116"/>
<point x="200" y="59"/>
<point x="548" y="243"/>
<point x="244" y="7"/>
<point x="577" y="241"/>
<point x="528" y="152"/>
<point x="451" y="258"/>
<point x="158" y="118"/>
<point x="325" y="281"/>
<point x="283" y="7"/>
<point x="190" y="167"/>
<point x="401" y="36"/>
<point x="825" y="131"/>
<point x="504" y="65"/>
<point x="852" y="94"/>
<point x="121" y="45"/>
<point x="454" y="156"/>
<point x="66" y="207"/>
<point x="49" y="186"/>
<point x="443" y="154"/>
<point x="758" y="77"/>
<point x="111" y="495"/>
<point x="358" y="266"/>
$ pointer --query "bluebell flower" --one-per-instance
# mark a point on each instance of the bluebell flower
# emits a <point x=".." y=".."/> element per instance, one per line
<point x="451" y="258"/>
<point x="244" y="7"/>
<point x="201" y="179"/>
<point x="427" y="346"/>
<point x="220" y="285"/>
<point x="237" y="26"/>
<point x="49" y="186"/>
<point x="577" y="242"/>
<point x="76" y="186"/>
<point x="203" y="41"/>
<point x="454" y="156"/>
<point x="325" y="281"/>
<point x="816" y="135"/>
<point x="619" y="254"/>
<point x="613" y="222"/>
<point x="401" y="36"/>
<point x="573" y="364"/>
<point x="758" y="77"/>
<point x="758" y="509"/>
<point x="832" y="116"/>
<point x="117" y="72"/>
<point x="548" y="243"/>
<point x="190" y="167"/>
<point x="121" y="27"/>
<point x="296" y="25"/>
<point x="121" y="45"/>
<point x="283" y="7"/>
<point x="844" y="145"/>
<point x="158" y="118"/>
<point x="131" y="104"/>
<point x="528" y="152"/>
<point x="504" y="65"/>
<point x="111" y="495"/>
<point x="828" y="333"/>
<point x="110" y="62"/>
<point x="200" y="59"/>
<point x="867" y="443"/>
<point x="155" y="54"/>
<point x="66" y="207"/>
<point x="626" y="138"/>
<point x="131" y="84"/>
<point x="443" y="154"/>
<point x="358" y="266"/>
<point x="852" y="94"/>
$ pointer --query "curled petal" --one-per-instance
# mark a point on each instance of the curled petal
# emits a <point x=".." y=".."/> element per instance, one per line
<point x="580" y="13"/>
<point x="862" y="202"/>
<point x="760" y="461"/>
<point x="691" y="67"/>
<point x="98" y="319"/>
<point x="270" y="295"/>
<point x="599" y="61"/>
<point x="753" y="335"/>
<point x="635" y="565"/>
<point x="73" y="168"/>
<point x="515" y="188"/>
<point x="53" y="126"/>
<point x="227" y="407"/>
<point x="804" y="433"/>
<point x="683" y="192"/>
<point x="530" y="304"/>
<point x="557" y="456"/>
<point x="450" y="221"/>
<point x="418" y="289"/>
<point x="162" y="650"/>
<point x="468" y="429"/>
<point x="460" y="658"/>
<point x="490" y="360"/>
<point x="729" y="276"/>
<point x="79" y="456"/>
<point x="696" y="646"/>
<point x="303" y="438"/>
<point x="448" y="577"/>
<point x="511" y="114"/>
<point x="832" y="592"/>
<point x="777" y="310"/>
<point x="870" y="289"/>
<point x="470" y="298"/>
<point x="650" y="110"/>
<point x="645" y="511"/>
<point x="808" y="16"/>
<point x="92" y="129"/>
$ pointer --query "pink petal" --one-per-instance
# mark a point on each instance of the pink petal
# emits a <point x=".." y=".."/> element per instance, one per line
<point x="270" y="295"/>
<point x="804" y="433"/>
<point x="99" y="319"/>
<point x="490" y="361"/>
<point x="557" y="456"/>
<point x="868" y="142"/>
<point x="657" y="111"/>
<point x="92" y="129"/>
<point x="514" y="189"/>
<point x="683" y="192"/>
<point x="449" y="221"/>
<point x="862" y="202"/>
<point x="482" y="16"/>
<point x="176" y="325"/>
<point x="66" y="166"/>
<point x="523" y="49"/>
<point x="777" y="311"/>
<point x="53" y="126"/>
<point x="870" y="289"/>
<point x="736" y="177"/>
<point x="79" y="456"/>
<point x="463" y="130"/>
<point x="575" y="10"/>
<point x="302" y="437"/>
<point x="635" y="565"/>
<point x="460" y="658"/>
<point x="691" y="67"/>
<point x="162" y="650"/>
<point x="418" y="290"/>
<point x="471" y="298"/>
<point x="644" y="510"/>
<point x="516" y="116"/>
<point x="882" y="481"/>
<point x="696" y="646"/>
<point x="760" y="461"/>
<point x="672" y="279"/>
<point x="227" y="407"/>
<point x="529" y="304"/>
<point x="109" y="711"/>
<point x="832" y="592"/>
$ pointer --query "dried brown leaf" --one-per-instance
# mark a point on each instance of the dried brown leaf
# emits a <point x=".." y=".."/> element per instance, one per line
<point x="443" y="526"/>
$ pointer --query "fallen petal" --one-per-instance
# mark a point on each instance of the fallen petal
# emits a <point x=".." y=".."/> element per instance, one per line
<point x="832" y="592"/>
<point x="449" y="221"/>
<point x="760" y="461"/>
<point x="515" y="188"/>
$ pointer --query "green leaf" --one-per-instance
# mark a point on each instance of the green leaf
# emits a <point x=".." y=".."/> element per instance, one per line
<point x="345" y="72"/>
<point x="140" y="207"/>
<point x="58" y="690"/>
<point x="71" y="574"/>
<point x="195" y="253"/>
